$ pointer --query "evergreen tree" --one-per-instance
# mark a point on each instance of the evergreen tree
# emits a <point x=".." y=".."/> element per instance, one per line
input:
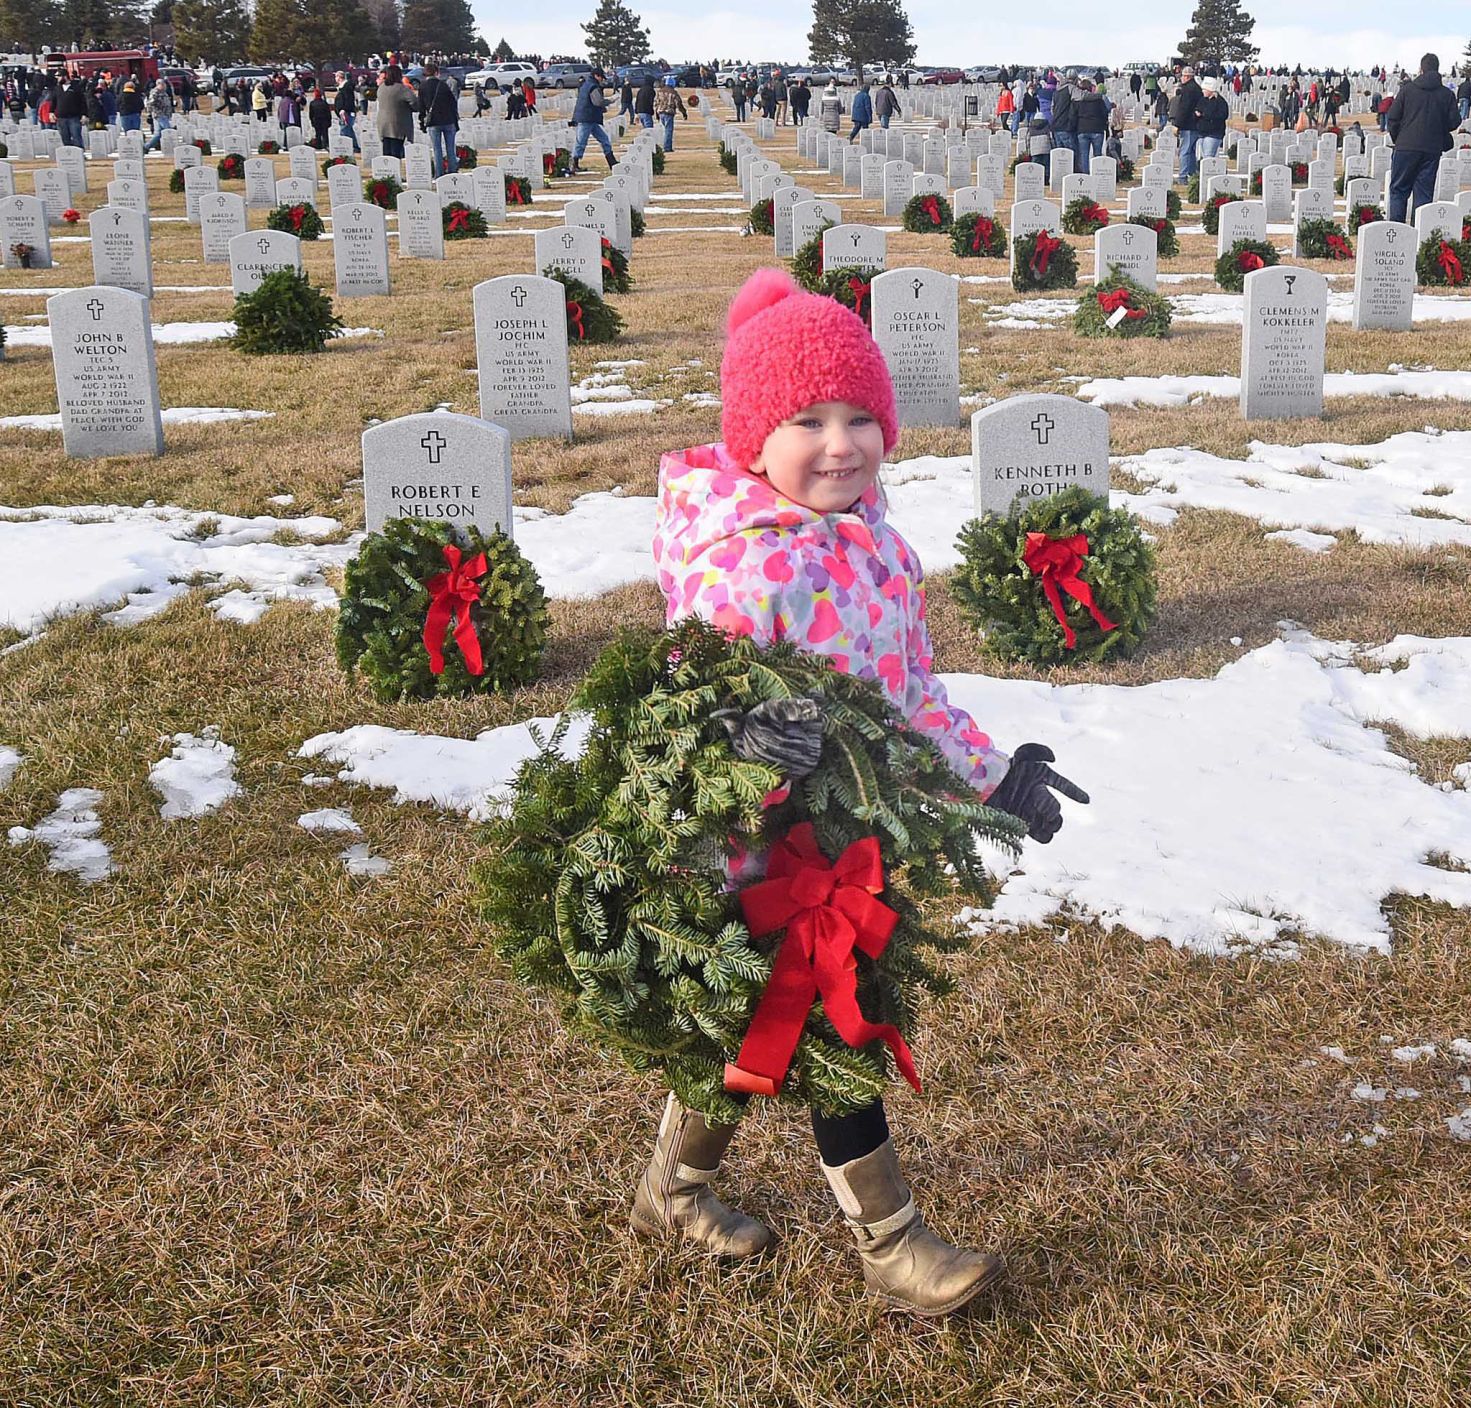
<point x="32" y="22"/>
<point x="503" y="53"/>
<point x="615" y="35"/>
<point x="384" y="16"/>
<point x="214" y="30"/>
<point x="298" y="30"/>
<point x="1219" y="33"/>
<point x="859" y="32"/>
<point x="439" y="26"/>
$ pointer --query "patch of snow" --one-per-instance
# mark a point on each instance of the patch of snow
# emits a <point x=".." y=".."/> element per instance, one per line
<point x="329" y="819"/>
<point x="172" y="415"/>
<point x="1303" y="538"/>
<point x="282" y="500"/>
<point x="1460" y="1125"/>
<point x="157" y="288"/>
<point x="1461" y="1047"/>
<point x="1337" y="1053"/>
<point x="10" y="760"/>
<point x="166" y="334"/>
<point x="1408" y="1055"/>
<point x="71" y="834"/>
<point x="359" y="861"/>
<point x="197" y="778"/>
<point x="1182" y="390"/>
<point x="1372" y="1094"/>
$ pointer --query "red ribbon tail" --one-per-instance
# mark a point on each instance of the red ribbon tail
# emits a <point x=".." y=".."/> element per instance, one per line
<point x="468" y="640"/>
<point x="1049" y="587"/>
<point x="435" y="622"/>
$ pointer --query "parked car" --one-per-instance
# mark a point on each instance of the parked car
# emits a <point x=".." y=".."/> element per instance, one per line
<point x="983" y="73"/>
<point x="943" y="75"/>
<point x="633" y="74"/>
<point x="562" y="75"/>
<point x="687" y="75"/>
<point x="501" y="76"/>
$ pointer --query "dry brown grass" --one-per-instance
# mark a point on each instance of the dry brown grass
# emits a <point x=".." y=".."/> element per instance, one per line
<point x="274" y="1136"/>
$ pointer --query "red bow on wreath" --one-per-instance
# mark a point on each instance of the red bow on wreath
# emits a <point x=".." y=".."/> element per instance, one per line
<point x="513" y="193"/>
<point x="860" y="292"/>
<point x="1249" y="261"/>
<point x="574" y="314"/>
<point x="1449" y="263"/>
<point x="548" y="163"/>
<point x="1158" y="226"/>
<point x="450" y="595"/>
<point x="981" y="236"/>
<point x="459" y="219"/>
<point x="931" y="208"/>
<point x="1057" y="562"/>
<point x="1338" y="247"/>
<point x="1096" y="214"/>
<point x="1113" y="299"/>
<point x="1042" y="253"/>
<point x="828" y="909"/>
<point x="296" y="214"/>
<point x="1367" y="214"/>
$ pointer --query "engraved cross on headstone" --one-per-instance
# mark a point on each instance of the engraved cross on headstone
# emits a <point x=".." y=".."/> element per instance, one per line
<point x="1043" y="426"/>
<point x="434" y="442"/>
<point x="518" y="295"/>
<point x="1127" y="237"/>
<point x="264" y="245"/>
<point x="568" y="240"/>
<point x="918" y="286"/>
<point x="95" y="307"/>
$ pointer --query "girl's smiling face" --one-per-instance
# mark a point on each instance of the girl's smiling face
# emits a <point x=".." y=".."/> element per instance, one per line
<point x="825" y="457"/>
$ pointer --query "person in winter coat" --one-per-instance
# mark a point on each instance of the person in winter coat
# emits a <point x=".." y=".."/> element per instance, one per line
<point x="1005" y="107"/>
<point x="830" y="110"/>
<point x="801" y="99"/>
<point x="1046" y="97"/>
<point x="587" y="116"/>
<point x="1463" y="97"/>
<point x="130" y="108"/>
<point x="1182" y="116"/>
<point x="528" y="91"/>
<point x="1030" y="108"/>
<point x="643" y="102"/>
<point x="1421" y="120"/>
<point x="1039" y="145"/>
<point x="1090" y="125"/>
<point x="781" y="533"/>
<point x="260" y="101"/>
<point x="667" y="103"/>
<point x="161" y="110"/>
<point x="738" y="98"/>
<point x="319" y="114"/>
<point x="71" y="112"/>
<point x="625" y="99"/>
<point x="781" y="92"/>
<point x="288" y="113"/>
<point x="1212" y="113"/>
<point x="439" y="116"/>
<point x="886" y="104"/>
<point x="397" y="104"/>
<point x="1064" y="119"/>
<point x="345" y="105"/>
<point x="862" y="111"/>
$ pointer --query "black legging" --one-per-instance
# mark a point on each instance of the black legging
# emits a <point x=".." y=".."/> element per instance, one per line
<point x="843" y="1138"/>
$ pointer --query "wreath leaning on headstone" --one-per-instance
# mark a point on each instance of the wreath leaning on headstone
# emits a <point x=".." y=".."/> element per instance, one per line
<point x="557" y="164"/>
<point x="1172" y="203"/>
<point x="1164" y="229"/>
<point x="463" y="222"/>
<point x="268" y="148"/>
<point x="615" y="268"/>
<point x="852" y="287"/>
<point x="231" y="167"/>
<point x="1144" y="314"/>
<point x="204" y="147"/>
<point x="329" y="162"/>
<point x="636" y="224"/>
<point x="432" y="610"/>
<point x="1241" y="259"/>
<point x="1323" y="239"/>
<point x="518" y="190"/>
<point x="299" y="218"/>
<point x="176" y="180"/>
<point x="1442" y="262"/>
<point x="807" y="262"/>
<point x="1084" y="216"/>
<point x="1362" y="215"/>
<point x="729" y="162"/>
<point x="466" y="158"/>
<point x="605" y="880"/>
<point x="286" y="314"/>
<point x="382" y="191"/>
<point x="1043" y="261"/>
<point x="1210" y="215"/>
<point x="927" y="214"/>
<point x="1125" y="168"/>
<point x="656" y="165"/>
<point x="977" y="236"/>
<point x="1059" y="579"/>
<point x="589" y="319"/>
<point x="759" y="218"/>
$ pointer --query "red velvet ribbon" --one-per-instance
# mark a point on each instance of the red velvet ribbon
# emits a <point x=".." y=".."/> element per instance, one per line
<point x="459" y="219"/>
<point x="1449" y="263"/>
<point x="828" y="909"/>
<point x="296" y="213"/>
<point x="931" y="208"/>
<point x="1338" y="247"/>
<point x="1367" y="215"/>
<point x="981" y="237"/>
<point x="513" y="191"/>
<point x="1057" y="561"/>
<point x="1042" y="253"/>
<point x="1249" y="260"/>
<point x="450" y="595"/>
<point x="1111" y="300"/>
<point x="1095" y="213"/>
<point x="860" y="292"/>
<point x="574" y="311"/>
<point x="548" y="163"/>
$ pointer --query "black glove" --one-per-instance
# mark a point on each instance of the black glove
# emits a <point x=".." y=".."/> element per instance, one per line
<point x="787" y="733"/>
<point x="1024" y="792"/>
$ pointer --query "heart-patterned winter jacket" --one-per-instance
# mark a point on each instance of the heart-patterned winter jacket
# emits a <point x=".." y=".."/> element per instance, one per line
<point x="733" y="550"/>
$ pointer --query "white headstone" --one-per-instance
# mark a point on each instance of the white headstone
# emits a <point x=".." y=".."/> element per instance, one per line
<point x="1285" y="316"/>
<point x="854" y="246"/>
<point x="1030" y="447"/>
<point x="1241" y="220"/>
<point x="1027" y="217"/>
<point x="260" y="183"/>
<point x="898" y="186"/>
<point x="1131" y="250"/>
<point x="574" y="250"/>
<point x="438" y="466"/>
<point x="257" y="253"/>
<point x="521" y="347"/>
<point x="809" y="217"/>
<point x="344" y="184"/>
<point x="23" y="222"/>
<point x="420" y="225"/>
<point x="120" y="249"/>
<point x="916" y="323"/>
<point x="1384" y="276"/>
<point x="1438" y="215"/>
<point x="360" y="250"/>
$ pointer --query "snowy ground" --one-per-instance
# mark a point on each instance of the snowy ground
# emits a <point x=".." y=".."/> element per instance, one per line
<point x="1212" y="837"/>
<point x="1217" y="308"/>
<point x="164" y="334"/>
<point x="1426" y="384"/>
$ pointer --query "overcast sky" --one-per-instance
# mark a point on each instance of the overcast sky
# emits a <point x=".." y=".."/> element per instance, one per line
<point x="1354" y="33"/>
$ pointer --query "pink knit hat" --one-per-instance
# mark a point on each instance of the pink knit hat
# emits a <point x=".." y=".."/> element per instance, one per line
<point x="786" y="350"/>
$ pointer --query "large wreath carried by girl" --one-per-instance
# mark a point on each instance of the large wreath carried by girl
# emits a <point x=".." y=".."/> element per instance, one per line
<point x="611" y="877"/>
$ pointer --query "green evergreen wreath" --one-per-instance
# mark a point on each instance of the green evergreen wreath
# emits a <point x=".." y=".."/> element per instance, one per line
<point x="286" y="314"/>
<point x="385" y="599"/>
<point x="1323" y="239"/>
<point x="1021" y="160"/>
<point x="1001" y="595"/>
<point x="1236" y="263"/>
<point x="1299" y="173"/>
<point x="382" y="191"/>
<point x="605" y="879"/>
<point x="589" y="319"/>
<point x="636" y="223"/>
<point x="1443" y="263"/>
<point x="299" y="218"/>
<point x="331" y="161"/>
<point x="807" y="262"/>
<point x="1097" y="306"/>
<point x="1362" y="215"/>
<point x="1164" y="229"/>
<point x="615" y="269"/>
<point x="657" y="164"/>
<point x="1125" y="168"/>
<point x="1172" y="203"/>
<point x="852" y="287"/>
<point x="268" y="148"/>
<point x="759" y="219"/>
<point x="231" y="167"/>
<point x="204" y="147"/>
<point x="729" y="162"/>
<point x="176" y="180"/>
<point x="518" y="190"/>
<point x="1084" y="216"/>
<point x="927" y="214"/>
<point x="1192" y="190"/>
<point x="1061" y="270"/>
<point x="555" y="165"/>
<point x="978" y="236"/>
<point x="1210" y="215"/>
<point x="466" y="158"/>
<point x="463" y="222"/>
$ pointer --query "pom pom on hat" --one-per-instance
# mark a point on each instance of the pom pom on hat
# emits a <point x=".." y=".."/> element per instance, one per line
<point x="786" y="350"/>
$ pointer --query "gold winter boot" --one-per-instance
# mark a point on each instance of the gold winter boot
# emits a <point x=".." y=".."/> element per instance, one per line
<point x="674" y="1194"/>
<point x="904" y="1264"/>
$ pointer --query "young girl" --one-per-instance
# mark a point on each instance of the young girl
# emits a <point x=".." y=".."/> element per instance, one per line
<point x="780" y="533"/>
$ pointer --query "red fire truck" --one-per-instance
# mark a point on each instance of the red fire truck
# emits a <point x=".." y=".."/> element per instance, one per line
<point x="89" y="63"/>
